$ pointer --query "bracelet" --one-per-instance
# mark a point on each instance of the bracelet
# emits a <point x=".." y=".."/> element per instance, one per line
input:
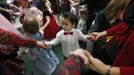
<point x="108" y="70"/>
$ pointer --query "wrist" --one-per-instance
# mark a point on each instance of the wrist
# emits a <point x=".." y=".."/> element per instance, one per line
<point x="104" y="33"/>
<point x="108" y="70"/>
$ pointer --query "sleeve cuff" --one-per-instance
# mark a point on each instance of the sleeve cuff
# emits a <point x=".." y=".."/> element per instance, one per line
<point x="126" y="70"/>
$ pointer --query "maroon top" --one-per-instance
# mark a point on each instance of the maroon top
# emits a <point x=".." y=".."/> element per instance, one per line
<point x="124" y="59"/>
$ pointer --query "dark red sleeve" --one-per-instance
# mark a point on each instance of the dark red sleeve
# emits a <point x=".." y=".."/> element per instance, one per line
<point x="126" y="70"/>
<point x="14" y="39"/>
<point x="114" y="29"/>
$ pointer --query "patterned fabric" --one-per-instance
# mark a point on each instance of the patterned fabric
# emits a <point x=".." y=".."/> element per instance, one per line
<point x="72" y="66"/>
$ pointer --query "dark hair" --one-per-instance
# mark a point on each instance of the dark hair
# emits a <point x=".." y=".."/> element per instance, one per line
<point x="31" y="25"/>
<point x="42" y="5"/>
<point x="71" y="17"/>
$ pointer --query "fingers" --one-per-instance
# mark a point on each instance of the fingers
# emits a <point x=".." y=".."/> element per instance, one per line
<point x="83" y="54"/>
<point x="87" y="54"/>
<point x="86" y="60"/>
<point x="92" y="36"/>
<point x="40" y="44"/>
<point x="95" y="36"/>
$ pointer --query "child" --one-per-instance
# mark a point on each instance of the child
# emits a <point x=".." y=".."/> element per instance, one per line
<point x="49" y="27"/>
<point x="68" y="37"/>
<point x="82" y="21"/>
<point x="44" y="61"/>
<point x="27" y="10"/>
<point x="74" y="6"/>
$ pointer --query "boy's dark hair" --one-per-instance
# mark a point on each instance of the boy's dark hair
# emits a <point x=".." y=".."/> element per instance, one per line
<point x="71" y="17"/>
<point x="30" y="25"/>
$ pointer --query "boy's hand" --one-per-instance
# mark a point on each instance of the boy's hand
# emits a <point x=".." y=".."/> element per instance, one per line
<point x="40" y="44"/>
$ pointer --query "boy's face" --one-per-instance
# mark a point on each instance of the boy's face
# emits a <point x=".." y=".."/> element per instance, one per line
<point x="66" y="24"/>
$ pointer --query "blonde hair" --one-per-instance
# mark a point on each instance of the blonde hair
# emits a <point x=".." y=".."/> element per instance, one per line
<point x="114" y="8"/>
<point x="31" y="25"/>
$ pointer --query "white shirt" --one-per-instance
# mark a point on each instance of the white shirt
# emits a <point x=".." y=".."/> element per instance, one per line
<point x="69" y="42"/>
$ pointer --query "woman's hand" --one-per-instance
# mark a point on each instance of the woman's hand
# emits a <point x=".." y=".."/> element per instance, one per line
<point x="97" y="66"/>
<point x="84" y="54"/>
<point x="91" y="62"/>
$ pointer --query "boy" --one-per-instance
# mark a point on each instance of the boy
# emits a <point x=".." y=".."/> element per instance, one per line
<point x="68" y="37"/>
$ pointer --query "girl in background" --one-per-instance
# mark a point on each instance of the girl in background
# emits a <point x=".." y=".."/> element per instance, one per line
<point x="49" y="27"/>
<point x="26" y="10"/>
<point x="82" y="21"/>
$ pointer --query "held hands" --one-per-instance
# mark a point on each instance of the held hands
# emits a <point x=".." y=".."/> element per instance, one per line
<point x="40" y="44"/>
<point x="97" y="35"/>
<point x="91" y="62"/>
<point x="83" y="54"/>
<point x="94" y="36"/>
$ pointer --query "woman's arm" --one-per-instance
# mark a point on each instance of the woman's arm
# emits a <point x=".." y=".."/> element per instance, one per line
<point x="95" y="64"/>
<point x="97" y="35"/>
<point x="14" y="39"/>
<point x="115" y="71"/>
